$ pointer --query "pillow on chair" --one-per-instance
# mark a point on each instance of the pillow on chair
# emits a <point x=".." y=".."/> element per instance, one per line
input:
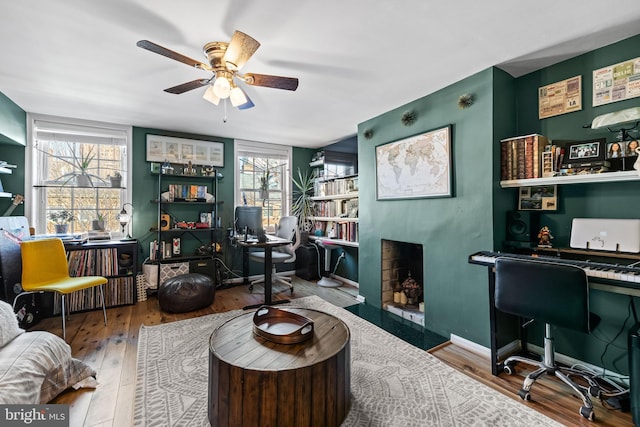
<point x="9" y="328"/>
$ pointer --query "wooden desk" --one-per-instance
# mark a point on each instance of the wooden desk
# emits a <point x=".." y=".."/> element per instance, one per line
<point x="268" y="246"/>
<point x="256" y="382"/>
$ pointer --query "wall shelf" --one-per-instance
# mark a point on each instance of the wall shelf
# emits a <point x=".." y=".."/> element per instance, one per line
<point x="94" y="187"/>
<point x="353" y="195"/>
<point x="340" y="242"/>
<point x="574" y="179"/>
<point x="334" y="218"/>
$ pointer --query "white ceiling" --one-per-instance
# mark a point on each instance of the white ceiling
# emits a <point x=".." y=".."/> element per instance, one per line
<point x="355" y="59"/>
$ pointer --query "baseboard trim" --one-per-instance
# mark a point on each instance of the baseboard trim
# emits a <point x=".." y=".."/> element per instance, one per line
<point x="470" y="346"/>
<point x="345" y="280"/>
<point x="514" y="346"/>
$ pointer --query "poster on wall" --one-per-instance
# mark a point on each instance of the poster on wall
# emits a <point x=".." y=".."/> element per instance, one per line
<point x="616" y="82"/>
<point x="539" y="198"/>
<point x="178" y="150"/>
<point x="560" y="98"/>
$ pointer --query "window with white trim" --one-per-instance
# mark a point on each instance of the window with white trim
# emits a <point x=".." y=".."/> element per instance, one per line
<point x="72" y="166"/>
<point x="262" y="178"/>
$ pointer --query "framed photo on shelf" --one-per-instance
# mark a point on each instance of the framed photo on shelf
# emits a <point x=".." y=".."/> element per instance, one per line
<point x="415" y="167"/>
<point x="585" y="151"/>
<point x="538" y="198"/>
<point x="162" y="148"/>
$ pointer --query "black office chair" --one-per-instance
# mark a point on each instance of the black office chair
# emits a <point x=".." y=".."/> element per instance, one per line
<point x="558" y="295"/>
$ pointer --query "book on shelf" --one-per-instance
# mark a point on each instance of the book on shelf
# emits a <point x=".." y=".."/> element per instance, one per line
<point x="521" y="157"/>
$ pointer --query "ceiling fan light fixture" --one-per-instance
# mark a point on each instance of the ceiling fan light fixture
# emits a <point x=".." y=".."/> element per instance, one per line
<point x="237" y="96"/>
<point x="222" y="87"/>
<point x="210" y="96"/>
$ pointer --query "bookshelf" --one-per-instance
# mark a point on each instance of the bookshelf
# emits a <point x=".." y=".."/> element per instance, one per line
<point x="116" y="260"/>
<point x="574" y="179"/>
<point x="190" y="233"/>
<point x="336" y="207"/>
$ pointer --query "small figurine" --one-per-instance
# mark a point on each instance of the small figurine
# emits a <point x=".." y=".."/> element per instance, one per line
<point x="544" y="237"/>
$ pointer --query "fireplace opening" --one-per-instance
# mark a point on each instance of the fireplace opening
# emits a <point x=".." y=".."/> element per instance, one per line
<point x="403" y="280"/>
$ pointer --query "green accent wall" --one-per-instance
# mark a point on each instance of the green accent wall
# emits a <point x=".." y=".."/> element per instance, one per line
<point x="601" y="200"/>
<point x="13" y="137"/>
<point x="13" y="122"/>
<point x="449" y="229"/>
<point x="145" y="187"/>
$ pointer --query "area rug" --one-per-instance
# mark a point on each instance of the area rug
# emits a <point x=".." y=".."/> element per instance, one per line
<point x="392" y="382"/>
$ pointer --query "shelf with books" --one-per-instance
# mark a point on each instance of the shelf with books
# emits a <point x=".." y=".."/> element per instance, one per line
<point x="188" y="209"/>
<point x="521" y="156"/>
<point x="340" y="242"/>
<point x="338" y="229"/>
<point x="574" y="179"/>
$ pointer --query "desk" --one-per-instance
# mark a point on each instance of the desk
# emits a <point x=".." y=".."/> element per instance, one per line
<point x="253" y="381"/>
<point x="608" y="277"/>
<point x="268" y="246"/>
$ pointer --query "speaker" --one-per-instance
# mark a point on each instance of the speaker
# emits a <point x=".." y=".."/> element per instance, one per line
<point x="522" y="226"/>
<point x="165" y="222"/>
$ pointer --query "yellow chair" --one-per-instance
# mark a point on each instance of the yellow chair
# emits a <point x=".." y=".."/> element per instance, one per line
<point x="45" y="269"/>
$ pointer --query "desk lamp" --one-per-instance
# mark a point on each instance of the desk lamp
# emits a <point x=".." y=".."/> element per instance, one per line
<point x="125" y="219"/>
<point x="617" y="118"/>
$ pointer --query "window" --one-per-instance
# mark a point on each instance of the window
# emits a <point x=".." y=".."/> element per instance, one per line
<point x="71" y="165"/>
<point x="263" y="179"/>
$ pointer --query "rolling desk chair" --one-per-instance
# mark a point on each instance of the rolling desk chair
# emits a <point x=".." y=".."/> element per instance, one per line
<point x="45" y="269"/>
<point x="555" y="294"/>
<point x="287" y="229"/>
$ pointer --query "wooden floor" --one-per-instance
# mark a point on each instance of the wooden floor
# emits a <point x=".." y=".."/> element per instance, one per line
<point x="548" y="395"/>
<point x="111" y="351"/>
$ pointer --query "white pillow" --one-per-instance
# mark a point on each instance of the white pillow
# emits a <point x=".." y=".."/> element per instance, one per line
<point x="9" y="328"/>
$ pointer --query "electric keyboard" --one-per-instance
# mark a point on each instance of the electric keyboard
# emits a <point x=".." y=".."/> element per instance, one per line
<point x="629" y="274"/>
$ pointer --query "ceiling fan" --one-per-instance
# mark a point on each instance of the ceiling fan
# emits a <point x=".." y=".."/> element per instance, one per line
<point x="225" y="62"/>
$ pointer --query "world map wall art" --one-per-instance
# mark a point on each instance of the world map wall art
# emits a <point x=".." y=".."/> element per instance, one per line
<point x="415" y="167"/>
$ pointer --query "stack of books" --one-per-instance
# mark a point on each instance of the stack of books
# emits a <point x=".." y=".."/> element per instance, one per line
<point x="521" y="157"/>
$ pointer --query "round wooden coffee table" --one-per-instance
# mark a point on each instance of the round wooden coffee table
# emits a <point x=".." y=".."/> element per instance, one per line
<point x="256" y="382"/>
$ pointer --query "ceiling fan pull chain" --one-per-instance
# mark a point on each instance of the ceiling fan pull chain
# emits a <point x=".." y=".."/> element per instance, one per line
<point x="224" y="119"/>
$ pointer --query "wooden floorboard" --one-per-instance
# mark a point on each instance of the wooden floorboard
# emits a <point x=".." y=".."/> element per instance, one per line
<point x="112" y="351"/>
<point x="548" y="395"/>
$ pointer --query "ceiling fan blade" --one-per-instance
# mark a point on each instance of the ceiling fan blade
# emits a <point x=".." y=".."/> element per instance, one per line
<point x="240" y="49"/>
<point x="156" y="48"/>
<point x="185" y="87"/>
<point x="277" y="82"/>
<point x="246" y="105"/>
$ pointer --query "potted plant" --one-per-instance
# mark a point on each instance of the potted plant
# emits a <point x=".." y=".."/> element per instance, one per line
<point x="115" y="179"/>
<point x="303" y="206"/>
<point x="61" y="220"/>
<point x="264" y="186"/>
<point x="81" y="165"/>
<point x="98" y="223"/>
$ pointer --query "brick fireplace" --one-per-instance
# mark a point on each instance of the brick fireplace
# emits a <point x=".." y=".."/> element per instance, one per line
<point x="398" y="261"/>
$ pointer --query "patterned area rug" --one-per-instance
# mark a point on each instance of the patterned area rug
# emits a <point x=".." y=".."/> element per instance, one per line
<point x="392" y="383"/>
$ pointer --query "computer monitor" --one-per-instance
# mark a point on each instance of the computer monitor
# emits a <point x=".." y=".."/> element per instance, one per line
<point x="249" y="217"/>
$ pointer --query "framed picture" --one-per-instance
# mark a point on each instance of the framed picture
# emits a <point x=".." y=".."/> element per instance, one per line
<point x="538" y="198"/>
<point x="415" y="167"/>
<point x="181" y="150"/>
<point x="584" y="151"/>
